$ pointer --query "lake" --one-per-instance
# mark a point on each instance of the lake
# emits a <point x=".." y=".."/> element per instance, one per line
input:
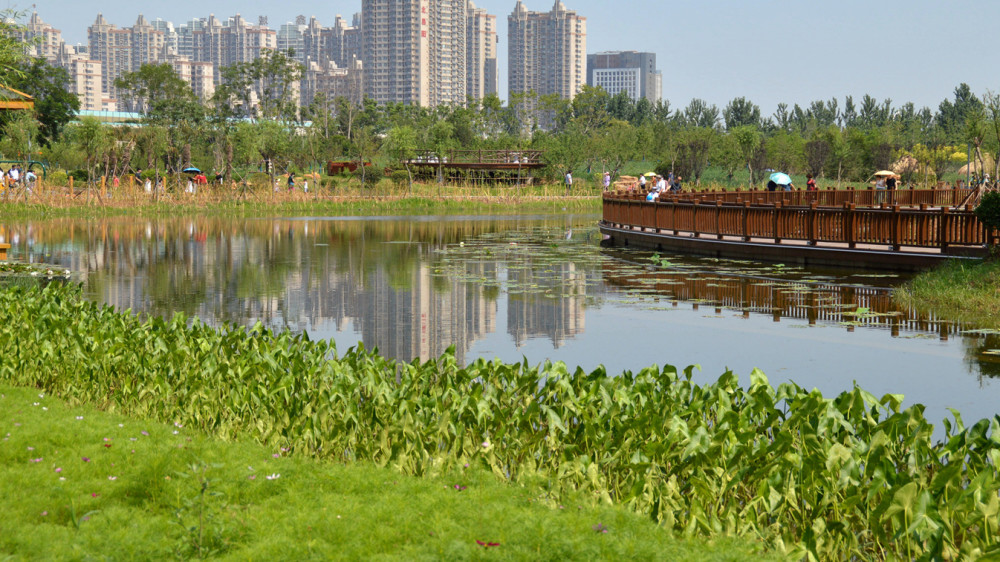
<point x="531" y="288"/>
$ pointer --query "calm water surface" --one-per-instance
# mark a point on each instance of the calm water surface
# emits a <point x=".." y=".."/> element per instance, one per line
<point x="532" y="288"/>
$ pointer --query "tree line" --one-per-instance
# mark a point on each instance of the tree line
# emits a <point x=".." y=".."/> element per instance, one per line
<point x="253" y="123"/>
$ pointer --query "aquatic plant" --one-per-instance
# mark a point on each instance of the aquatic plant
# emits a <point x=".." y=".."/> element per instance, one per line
<point x="854" y="476"/>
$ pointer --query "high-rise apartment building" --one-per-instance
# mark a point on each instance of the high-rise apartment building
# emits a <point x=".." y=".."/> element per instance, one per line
<point x="414" y="51"/>
<point x="481" y="53"/>
<point x="85" y="74"/>
<point x="633" y="72"/>
<point x="546" y="51"/>
<point x="225" y="43"/>
<point x="44" y="40"/>
<point x="123" y="50"/>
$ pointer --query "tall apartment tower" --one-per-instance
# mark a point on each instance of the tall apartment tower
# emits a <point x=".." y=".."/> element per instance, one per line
<point x="223" y="44"/>
<point x="84" y="73"/>
<point x="123" y="50"/>
<point x="481" y="53"/>
<point x="630" y="71"/>
<point x="546" y="51"/>
<point x="414" y="51"/>
<point x="49" y="39"/>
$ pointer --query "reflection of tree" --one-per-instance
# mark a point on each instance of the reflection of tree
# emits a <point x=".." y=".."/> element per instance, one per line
<point x="976" y="357"/>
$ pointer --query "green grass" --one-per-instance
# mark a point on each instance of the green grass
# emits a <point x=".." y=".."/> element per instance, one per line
<point x="283" y="205"/>
<point x="964" y="292"/>
<point x="77" y="483"/>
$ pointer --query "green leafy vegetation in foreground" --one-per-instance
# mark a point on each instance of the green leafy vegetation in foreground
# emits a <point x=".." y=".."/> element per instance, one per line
<point x="812" y="477"/>
<point x="78" y="483"/>
<point x="965" y="292"/>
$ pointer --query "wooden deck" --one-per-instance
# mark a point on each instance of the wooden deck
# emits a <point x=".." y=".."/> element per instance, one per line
<point x="876" y="237"/>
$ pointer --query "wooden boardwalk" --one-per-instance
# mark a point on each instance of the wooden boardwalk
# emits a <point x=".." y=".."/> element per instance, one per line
<point x="885" y="236"/>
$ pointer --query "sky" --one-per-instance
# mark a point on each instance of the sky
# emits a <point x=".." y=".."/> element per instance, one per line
<point x="769" y="51"/>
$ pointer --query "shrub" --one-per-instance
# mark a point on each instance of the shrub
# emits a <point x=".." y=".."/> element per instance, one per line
<point x="400" y="178"/>
<point x="988" y="210"/>
<point x="371" y="175"/>
<point x="79" y="176"/>
<point x="57" y="177"/>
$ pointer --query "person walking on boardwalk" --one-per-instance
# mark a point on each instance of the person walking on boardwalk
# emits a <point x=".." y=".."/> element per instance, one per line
<point x="569" y="181"/>
<point x="607" y="181"/>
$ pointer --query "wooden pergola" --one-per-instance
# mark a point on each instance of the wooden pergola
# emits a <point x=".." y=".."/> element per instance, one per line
<point x="13" y="100"/>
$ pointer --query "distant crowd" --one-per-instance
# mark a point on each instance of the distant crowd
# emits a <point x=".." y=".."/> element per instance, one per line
<point x="15" y="177"/>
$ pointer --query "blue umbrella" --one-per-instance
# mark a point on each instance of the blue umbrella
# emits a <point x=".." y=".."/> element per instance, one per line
<point x="191" y="170"/>
<point x="781" y="178"/>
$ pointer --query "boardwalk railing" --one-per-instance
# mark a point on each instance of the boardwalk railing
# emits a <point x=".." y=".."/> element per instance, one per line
<point x="825" y="197"/>
<point x="753" y="217"/>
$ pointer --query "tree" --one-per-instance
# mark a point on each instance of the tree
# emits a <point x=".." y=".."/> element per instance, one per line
<point x="401" y="144"/>
<point x="55" y="105"/>
<point x="153" y="88"/>
<point x="699" y="113"/>
<point x="271" y="76"/>
<point x="952" y="116"/>
<point x="692" y="148"/>
<point x="817" y="152"/>
<point x="621" y="106"/>
<point x="748" y="141"/>
<point x="12" y="48"/>
<point x="739" y="112"/>
<point x="590" y="109"/>
<point x="92" y="138"/>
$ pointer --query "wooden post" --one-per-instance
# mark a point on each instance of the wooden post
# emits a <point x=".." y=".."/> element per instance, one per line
<point x="922" y="234"/>
<point x="746" y="221"/>
<point x="3" y="251"/>
<point x="775" y="223"/>
<point x="943" y="228"/>
<point x="104" y="190"/>
<point x="850" y="223"/>
<point x="718" y="220"/>
<point x="71" y="184"/>
<point x="694" y="218"/>
<point x="811" y="222"/>
<point x="896" y="218"/>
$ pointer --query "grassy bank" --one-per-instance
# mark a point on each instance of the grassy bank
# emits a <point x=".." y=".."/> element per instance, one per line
<point x="963" y="292"/>
<point x="298" y="204"/>
<point x="854" y="476"/>
<point x="79" y="483"/>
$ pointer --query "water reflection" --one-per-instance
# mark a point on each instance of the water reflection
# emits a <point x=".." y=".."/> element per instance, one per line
<point x="414" y="287"/>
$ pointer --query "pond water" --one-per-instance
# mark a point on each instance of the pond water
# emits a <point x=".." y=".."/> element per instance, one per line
<point x="529" y="288"/>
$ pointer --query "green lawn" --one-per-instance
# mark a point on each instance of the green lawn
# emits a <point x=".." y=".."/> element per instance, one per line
<point x="78" y="483"/>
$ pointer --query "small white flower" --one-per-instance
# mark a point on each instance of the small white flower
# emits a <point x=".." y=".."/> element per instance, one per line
<point x="112" y="478"/>
<point x="273" y="476"/>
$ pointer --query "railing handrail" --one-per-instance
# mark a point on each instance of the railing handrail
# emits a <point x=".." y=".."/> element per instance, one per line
<point x="894" y="226"/>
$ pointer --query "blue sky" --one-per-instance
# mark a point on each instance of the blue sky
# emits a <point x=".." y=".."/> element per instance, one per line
<point x="770" y="51"/>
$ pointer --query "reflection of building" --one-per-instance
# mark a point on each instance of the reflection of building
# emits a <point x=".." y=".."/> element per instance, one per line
<point x="557" y="316"/>
<point x="421" y="321"/>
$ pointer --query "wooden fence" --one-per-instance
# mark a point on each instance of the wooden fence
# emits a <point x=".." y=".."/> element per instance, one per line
<point x="753" y="217"/>
<point x="825" y="197"/>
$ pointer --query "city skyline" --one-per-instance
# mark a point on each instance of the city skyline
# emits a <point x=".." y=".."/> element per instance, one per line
<point x="769" y="52"/>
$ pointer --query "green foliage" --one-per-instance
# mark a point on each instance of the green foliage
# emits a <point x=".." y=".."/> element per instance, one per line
<point x="988" y="210"/>
<point x="853" y="477"/>
<point x="55" y="105"/>
<point x="177" y="494"/>
<point x="79" y="176"/>
<point x="399" y="177"/>
<point x="369" y="176"/>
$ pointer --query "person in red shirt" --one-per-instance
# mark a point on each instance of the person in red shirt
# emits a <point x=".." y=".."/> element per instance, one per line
<point x="810" y="183"/>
